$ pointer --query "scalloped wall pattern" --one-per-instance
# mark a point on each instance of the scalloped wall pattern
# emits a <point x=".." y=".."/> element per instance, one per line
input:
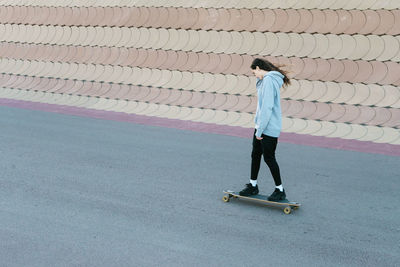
<point x="189" y="60"/>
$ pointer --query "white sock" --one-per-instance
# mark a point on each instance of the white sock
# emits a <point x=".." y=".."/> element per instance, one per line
<point x="280" y="187"/>
<point x="253" y="182"/>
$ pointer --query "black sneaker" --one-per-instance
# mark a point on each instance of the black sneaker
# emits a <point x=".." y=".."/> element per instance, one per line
<point x="249" y="190"/>
<point x="277" y="195"/>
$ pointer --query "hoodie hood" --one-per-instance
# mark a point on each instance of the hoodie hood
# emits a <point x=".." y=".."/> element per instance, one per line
<point x="275" y="74"/>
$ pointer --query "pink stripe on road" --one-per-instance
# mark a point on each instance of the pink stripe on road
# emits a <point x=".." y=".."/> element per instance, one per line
<point x="309" y="140"/>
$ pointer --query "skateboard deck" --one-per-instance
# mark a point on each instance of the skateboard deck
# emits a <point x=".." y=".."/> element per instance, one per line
<point x="287" y="205"/>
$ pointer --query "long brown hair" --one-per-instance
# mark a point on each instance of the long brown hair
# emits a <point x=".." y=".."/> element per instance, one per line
<point x="268" y="66"/>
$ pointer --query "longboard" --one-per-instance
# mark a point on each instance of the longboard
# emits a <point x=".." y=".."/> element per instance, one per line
<point x="287" y="205"/>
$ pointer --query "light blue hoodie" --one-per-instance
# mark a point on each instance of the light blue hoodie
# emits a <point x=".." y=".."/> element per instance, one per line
<point x="269" y="116"/>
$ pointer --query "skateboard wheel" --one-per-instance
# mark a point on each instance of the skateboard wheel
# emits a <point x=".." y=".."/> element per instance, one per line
<point x="225" y="198"/>
<point x="295" y="207"/>
<point x="287" y="210"/>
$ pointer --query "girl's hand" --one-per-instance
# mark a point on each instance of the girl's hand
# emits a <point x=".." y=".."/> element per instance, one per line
<point x="259" y="138"/>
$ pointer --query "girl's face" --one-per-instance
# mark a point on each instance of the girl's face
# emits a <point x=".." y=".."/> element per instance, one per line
<point x="259" y="73"/>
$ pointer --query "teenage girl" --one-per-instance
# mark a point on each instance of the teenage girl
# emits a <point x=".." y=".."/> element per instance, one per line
<point x="268" y="125"/>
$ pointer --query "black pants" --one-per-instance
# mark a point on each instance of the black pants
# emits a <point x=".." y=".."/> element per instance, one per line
<point x="265" y="147"/>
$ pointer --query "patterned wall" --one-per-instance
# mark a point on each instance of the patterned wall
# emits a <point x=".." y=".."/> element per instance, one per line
<point x="189" y="60"/>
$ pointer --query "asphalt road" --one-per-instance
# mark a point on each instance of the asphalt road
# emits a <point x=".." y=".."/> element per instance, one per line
<point x="77" y="191"/>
